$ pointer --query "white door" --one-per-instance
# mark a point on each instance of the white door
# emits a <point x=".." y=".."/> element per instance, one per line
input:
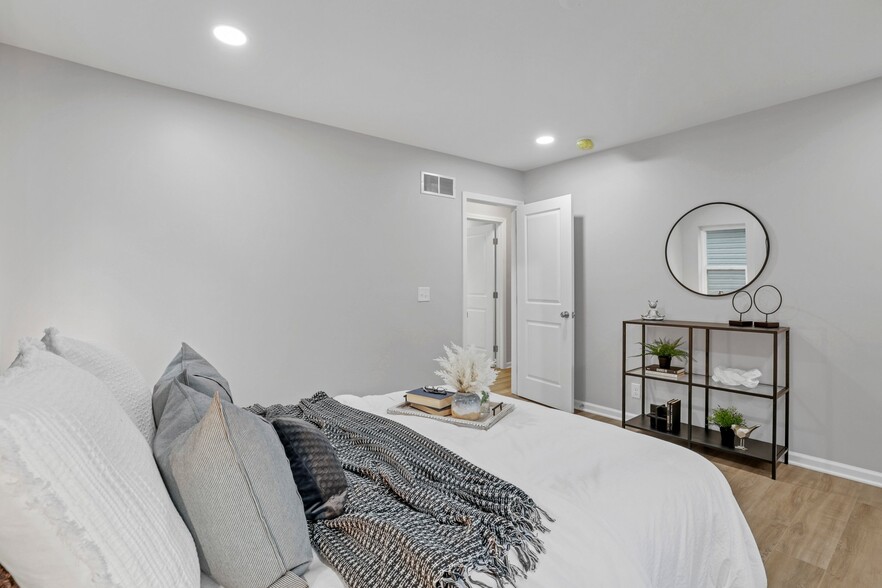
<point x="480" y="277"/>
<point x="545" y="302"/>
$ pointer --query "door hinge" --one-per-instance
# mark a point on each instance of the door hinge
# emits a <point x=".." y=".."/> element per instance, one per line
<point x="496" y="349"/>
<point x="496" y="295"/>
<point x="495" y="241"/>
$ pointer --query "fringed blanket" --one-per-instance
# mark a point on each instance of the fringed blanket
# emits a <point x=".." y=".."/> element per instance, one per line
<point x="417" y="514"/>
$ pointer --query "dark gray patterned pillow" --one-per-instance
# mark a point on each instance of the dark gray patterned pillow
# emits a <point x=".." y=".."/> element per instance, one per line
<point x="317" y="471"/>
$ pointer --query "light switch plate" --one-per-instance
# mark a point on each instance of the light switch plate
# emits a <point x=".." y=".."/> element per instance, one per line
<point x="423" y="294"/>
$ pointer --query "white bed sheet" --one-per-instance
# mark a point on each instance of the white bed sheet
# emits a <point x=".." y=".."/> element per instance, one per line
<point x="630" y="510"/>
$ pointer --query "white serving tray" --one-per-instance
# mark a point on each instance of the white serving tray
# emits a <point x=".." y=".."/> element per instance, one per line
<point x="484" y="423"/>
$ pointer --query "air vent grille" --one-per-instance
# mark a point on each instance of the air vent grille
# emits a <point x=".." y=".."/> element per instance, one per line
<point x="438" y="185"/>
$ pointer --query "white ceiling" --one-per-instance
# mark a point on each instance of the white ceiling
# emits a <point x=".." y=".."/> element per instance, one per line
<point x="475" y="78"/>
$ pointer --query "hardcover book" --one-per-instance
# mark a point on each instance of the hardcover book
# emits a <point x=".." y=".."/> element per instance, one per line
<point x="430" y="398"/>
<point x="665" y="418"/>
<point x="671" y="373"/>
<point x="429" y="410"/>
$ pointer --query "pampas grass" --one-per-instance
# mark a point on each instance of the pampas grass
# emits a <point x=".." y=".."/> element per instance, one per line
<point x="466" y="370"/>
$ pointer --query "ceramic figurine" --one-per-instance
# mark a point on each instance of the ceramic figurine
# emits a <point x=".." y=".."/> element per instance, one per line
<point x="653" y="314"/>
<point x="743" y="432"/>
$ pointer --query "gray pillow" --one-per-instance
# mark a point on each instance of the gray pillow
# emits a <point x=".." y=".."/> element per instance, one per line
<point x="227" y="473"/>
<point x="192" y="370"/>
<point x="317" y="471"/>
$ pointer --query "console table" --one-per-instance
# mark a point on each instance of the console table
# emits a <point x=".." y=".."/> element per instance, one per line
<point x="704" y="436"/>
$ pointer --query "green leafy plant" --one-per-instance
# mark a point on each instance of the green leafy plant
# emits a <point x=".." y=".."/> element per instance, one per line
<point x="726" y="417"/>
<point x="665" y="348"/>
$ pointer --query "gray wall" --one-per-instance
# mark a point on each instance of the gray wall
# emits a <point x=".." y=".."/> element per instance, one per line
<point x="810" y="171"/>
<point x="287" y="252"/>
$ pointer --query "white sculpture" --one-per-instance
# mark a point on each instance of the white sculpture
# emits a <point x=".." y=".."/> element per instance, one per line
<point x="653" y="314"/>
<point x="736" y="377"/>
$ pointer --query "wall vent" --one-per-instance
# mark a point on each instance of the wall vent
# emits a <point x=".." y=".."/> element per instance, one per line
<point x="437" y="185"/>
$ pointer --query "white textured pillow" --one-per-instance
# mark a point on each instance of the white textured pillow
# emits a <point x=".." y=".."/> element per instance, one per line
<point x="117" y="372"/>
<point x="82" y="502"/>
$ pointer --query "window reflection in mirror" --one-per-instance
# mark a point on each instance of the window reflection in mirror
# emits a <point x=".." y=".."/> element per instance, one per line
<point x="716" y="249"/>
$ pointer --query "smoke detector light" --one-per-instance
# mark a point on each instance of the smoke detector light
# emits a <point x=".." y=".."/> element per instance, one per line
<point x="545" y="140"/>
<point x="230" y="35"/>
<point x="585" y="144"/>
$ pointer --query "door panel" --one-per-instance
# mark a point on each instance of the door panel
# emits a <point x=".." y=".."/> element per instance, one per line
<point x="476" y="322"/>
<point x="543" y="365"/>
<point x="542" y="233"/>
<point x="480" y="284"/>
<point x="546" y="298"/>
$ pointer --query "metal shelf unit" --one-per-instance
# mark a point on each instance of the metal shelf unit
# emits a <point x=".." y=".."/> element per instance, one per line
<point x="702" y="435"/>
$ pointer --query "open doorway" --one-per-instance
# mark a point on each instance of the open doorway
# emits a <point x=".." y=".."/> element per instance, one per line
<point x="488" y="279"/>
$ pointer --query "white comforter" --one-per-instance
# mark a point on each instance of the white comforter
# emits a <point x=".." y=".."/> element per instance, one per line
<point x="630" y="510"/>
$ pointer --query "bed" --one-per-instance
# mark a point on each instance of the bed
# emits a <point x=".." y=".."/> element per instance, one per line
<point x="630" y="510"/>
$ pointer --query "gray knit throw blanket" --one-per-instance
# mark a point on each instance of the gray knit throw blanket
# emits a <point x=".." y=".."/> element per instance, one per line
<point x="417" y="514"/>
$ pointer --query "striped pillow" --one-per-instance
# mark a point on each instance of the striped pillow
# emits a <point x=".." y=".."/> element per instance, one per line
<point x="227" y="473"/>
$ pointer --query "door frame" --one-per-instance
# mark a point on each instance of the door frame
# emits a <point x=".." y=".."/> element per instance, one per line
<point x="511" y="233"/>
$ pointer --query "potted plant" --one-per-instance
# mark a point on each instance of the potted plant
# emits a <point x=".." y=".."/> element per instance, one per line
<point x="470" y="373"/>
<point x="726" y="419"/>
<point x="665" y="350"/>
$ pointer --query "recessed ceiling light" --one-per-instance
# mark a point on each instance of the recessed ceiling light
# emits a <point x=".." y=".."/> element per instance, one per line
<point x="545" y="140"/>
<point x="230" y="35"/>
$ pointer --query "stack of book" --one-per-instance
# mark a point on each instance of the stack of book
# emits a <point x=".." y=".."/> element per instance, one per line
<point x="671" y="373"/>
<point x="665" y="418"/>
<point x="430" y="400"/>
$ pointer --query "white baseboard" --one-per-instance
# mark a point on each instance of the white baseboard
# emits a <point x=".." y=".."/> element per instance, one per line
<point x="835" y="468"/>
<point x="809" y="462"/>
<point x="610" y="413"/>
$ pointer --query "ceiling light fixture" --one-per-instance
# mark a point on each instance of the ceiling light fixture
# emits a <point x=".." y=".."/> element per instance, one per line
<point x="585" y="144"/>
<point x="230" y="35"/>
<point x="545" y="140"/>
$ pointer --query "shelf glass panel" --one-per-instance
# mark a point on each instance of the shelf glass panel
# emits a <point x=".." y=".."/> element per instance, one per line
<point x="703" y="381"/>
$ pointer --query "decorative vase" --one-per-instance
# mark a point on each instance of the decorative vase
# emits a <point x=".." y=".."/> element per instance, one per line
<point x="664" y="362"/>
<point x="467" y="405"/>
<point x="728" y="436"/>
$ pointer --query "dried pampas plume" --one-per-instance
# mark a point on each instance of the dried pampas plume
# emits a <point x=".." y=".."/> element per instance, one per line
<point x="466" y="370"/>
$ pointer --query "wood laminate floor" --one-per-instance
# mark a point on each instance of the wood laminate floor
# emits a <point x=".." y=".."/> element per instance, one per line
<point x="812" y="529"/>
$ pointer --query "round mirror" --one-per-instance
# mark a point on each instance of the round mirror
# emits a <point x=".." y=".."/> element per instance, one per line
<point x="716" y="249"/>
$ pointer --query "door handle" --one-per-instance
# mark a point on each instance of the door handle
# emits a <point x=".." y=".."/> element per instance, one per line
<point x="565" y="314"/>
